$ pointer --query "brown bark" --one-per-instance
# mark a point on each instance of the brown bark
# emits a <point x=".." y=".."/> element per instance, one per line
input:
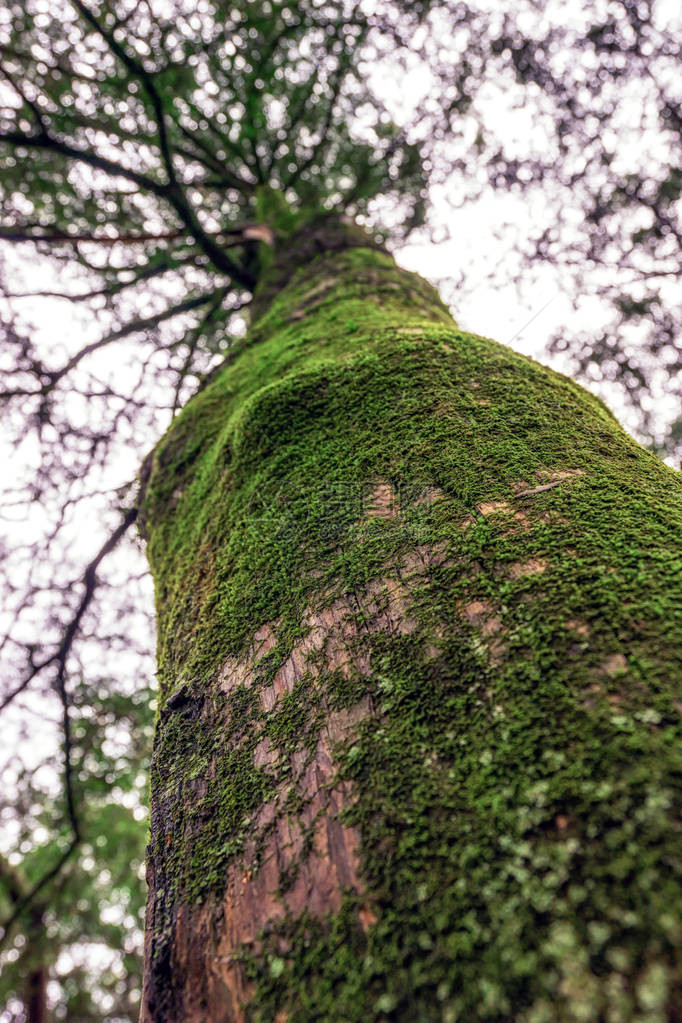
<point x="36" y="996"/>
<point x="315" y="847"/>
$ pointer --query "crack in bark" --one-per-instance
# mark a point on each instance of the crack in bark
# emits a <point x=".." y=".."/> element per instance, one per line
<point x="307" y="859"/>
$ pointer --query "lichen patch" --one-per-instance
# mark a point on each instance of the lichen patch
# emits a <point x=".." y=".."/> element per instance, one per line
<point x="615" y="664"/>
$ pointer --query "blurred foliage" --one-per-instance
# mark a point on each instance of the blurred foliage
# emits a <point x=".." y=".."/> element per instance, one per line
<point x="140" y="141"/>
<point x="85" y="932"/>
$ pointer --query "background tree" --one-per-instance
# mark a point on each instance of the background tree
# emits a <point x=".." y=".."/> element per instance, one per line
<point x="139" y="150"/>
<point x="82" y="932"/>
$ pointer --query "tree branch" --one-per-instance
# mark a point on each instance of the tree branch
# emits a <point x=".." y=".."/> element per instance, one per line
<point x="28" y="234"/>
<point x="89" y="580"/>
<point x="173" y="191"/>
<point x="145" y="78"/>
<point x="21" y="901"/>
<point x="237" y="234"/>
<point x="115" y="288"/>
<point x="134" y="327"/>
<point x="47" y="142"/>
<point x="29" y="897"/>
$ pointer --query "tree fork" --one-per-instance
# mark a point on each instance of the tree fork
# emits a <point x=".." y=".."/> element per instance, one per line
<point x="420" y="619"/>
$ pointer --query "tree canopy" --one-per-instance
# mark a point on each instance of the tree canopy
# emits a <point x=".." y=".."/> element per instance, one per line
<point x="149" y="153"/>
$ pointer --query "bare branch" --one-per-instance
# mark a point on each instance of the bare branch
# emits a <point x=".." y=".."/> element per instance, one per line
<point x="30" y="896"/>
<point x="45" y="141"/>
<point x="89" y="580"/>
<point x="144" y="77"/>
<point x="133" y="327"/>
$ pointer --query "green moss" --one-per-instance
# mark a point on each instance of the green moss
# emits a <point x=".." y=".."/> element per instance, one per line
<point x="518" y="781"/>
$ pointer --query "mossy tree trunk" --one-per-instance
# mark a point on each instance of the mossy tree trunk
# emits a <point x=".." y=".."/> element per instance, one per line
<point x="420" y="632"/>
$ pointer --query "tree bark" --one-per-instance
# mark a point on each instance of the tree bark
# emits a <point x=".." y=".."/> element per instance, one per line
<point x="420" y="619"/>
<point x="34" y="967"/>
<point x="36" y="996"/>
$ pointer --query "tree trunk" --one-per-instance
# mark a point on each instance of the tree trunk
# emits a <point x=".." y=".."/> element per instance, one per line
<point x="420" y="623"/>
<point x="36" y="995"/>
<point x="33" y="966"/>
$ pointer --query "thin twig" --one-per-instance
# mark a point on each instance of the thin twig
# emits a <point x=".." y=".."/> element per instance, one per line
<point x="89" y="580"/>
